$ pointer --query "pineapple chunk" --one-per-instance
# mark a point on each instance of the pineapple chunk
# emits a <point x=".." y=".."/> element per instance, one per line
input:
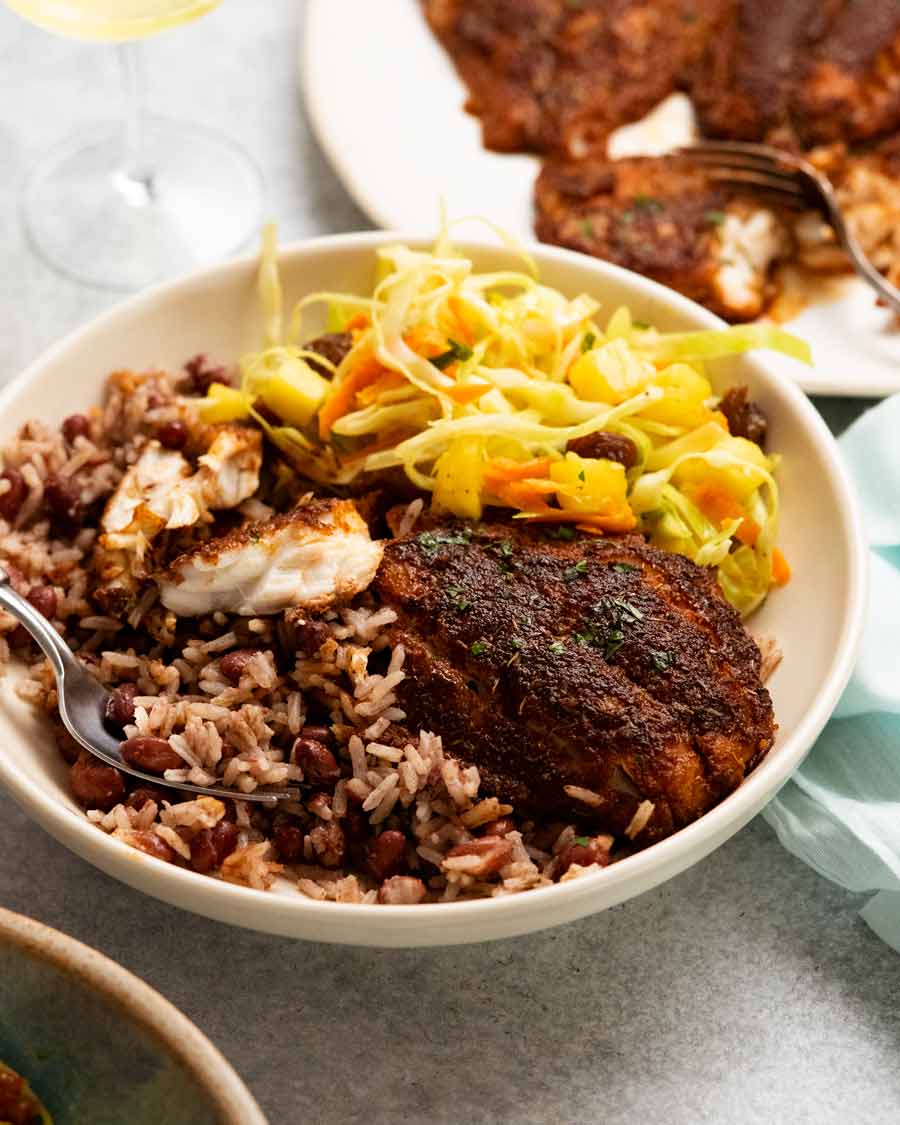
<point x="610" y="373"/>
<point x="287" y="385"/>
<point x="739" y="480"/>
<point x="459" y="475"/>
<point x="591" y="485"/>
<point x="223" y="404"/>
<point x="685" y="392"/>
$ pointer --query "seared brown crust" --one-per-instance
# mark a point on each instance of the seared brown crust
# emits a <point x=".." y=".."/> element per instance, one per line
<point x="513" y="657"/>
<point x="656" y="215"/>
<point x="558" y="76"/>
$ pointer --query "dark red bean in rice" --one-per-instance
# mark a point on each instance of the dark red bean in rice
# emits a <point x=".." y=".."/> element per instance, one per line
<point x="172" y="435"/>
<point x="151" y="844"/>
<point x="144" y="793"/>
<point x="311" y="635"/>
<point x="316" y="760"/>
<point x="64" y="501"/>
<point x="288" y="841"/>
<point x="212" y="846"/>
<point x="356" y="825"/>
<point x="328" y="843"/>
<point x="12" y="498"/>
<point x="120" y="705"/>
<point x="76" y="426"/>
<point x="596" y="850"/>
<point x="201" y="374"/>
<point x="225" y="839"/>
<point x="492" y="852"/>
<point x="319" y="733"/>
<point x="95" y="785"/>
<point x="232" y="664"/>
<point x="44" y="600"/>
<point x="385" y="854"/>
<point x="154" y="755"/>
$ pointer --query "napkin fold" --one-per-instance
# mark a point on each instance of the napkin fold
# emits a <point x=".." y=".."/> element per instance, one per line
<point x="840" y="812"/>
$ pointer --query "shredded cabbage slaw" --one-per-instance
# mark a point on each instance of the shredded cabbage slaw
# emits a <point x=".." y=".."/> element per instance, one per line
<point x="474" y="383"/>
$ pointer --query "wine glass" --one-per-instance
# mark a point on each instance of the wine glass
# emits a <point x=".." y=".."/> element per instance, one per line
<point x="141" y="200"/>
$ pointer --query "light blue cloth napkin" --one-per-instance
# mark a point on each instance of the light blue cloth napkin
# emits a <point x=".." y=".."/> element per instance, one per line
<point x="841" y="810"/>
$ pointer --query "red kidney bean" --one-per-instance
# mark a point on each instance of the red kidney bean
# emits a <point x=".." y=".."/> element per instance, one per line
<point x="356" y="825"/>
<point x="64" y="501"/>
<point x="154" y="755"/>
<point x="384" y="855"/>
<point x="211" y="846"/>
<point x="76" y="426"/>
<point x="596" y="850"/>
<point x="311" y="635"/>
<point x="612" y="447"/>
<point x="232" y="664"/>
<point x="139" y="797"/>
<point x="201" y="374"/>
<point x="44" y="600"/>
<point x="492" y="852"/>
<point x="151" y="844"/>
<point x="95" y="785"/>
<point x="318" y="733"/>
<point x="172" y="435"/>
<point x="316" y="760"/>
<point x="14" y="496"/>
<point x="288" y="839"/>
<point x="120" y="705"/>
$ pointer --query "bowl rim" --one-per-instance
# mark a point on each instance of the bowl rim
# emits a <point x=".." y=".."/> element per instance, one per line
<point x="672" y="854"/>
<point x="142" y="1005"/>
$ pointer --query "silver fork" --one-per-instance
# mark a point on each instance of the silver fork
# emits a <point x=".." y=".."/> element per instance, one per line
<point x="792" y="182"/>
<point x="83" y="701"/>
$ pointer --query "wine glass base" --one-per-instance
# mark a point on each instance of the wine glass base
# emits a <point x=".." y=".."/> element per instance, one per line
<point x="200" y="201"/>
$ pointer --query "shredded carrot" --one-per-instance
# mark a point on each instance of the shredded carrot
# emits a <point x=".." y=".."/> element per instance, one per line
<point x="391" y="381"/>
<point x="464" y="393"/>
<point x="426" y="340"/>
<point x="500" y="469"/>
<point x="716" y="502"/>
<point x="781" y="571"/>
<point x="748" y="532"/>
<point x="366" y="370"/>
<point x="525" y="494"/>
<point x="357" y="322"/>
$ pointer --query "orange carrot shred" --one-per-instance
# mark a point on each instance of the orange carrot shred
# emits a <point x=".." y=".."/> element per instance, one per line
<point x="781" y="571"/>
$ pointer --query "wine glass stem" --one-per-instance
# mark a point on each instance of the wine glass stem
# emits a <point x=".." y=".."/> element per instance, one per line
<point x="134" y="179"/>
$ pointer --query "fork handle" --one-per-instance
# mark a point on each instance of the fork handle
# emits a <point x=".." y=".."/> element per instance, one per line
<point x="49" y="641"/>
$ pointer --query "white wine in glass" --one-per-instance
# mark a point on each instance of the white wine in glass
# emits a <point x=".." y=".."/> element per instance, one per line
<point x="126" y="206"/>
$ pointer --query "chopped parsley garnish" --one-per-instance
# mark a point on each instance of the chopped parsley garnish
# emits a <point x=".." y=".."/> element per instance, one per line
<point x="432" y="540"/>
<point x="581" y="475"/>
<point x="624" y="568"/>
<point x="715" y="217"/>
<point x="557" y="648"/>
<point x="641" y="325"/>
<point x="606" y="624"/>
<point x="562" y="532"/>
<point x="587" y="228"/>
<point x="460" y="602"/>
<point x="579" y="570"/>
<point x="587" y="342"/>
<point x="647" y="203"/>
<point x="517" y="643"/>
<point x="456" y="352"/>
<point x="581" y="841"/>
<point x="478" y="648"/>
<point x="662" y="661"/>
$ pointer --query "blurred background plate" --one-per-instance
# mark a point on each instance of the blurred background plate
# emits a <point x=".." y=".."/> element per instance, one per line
<point x="99" y="1046"/>
<point x="386" y="105"/>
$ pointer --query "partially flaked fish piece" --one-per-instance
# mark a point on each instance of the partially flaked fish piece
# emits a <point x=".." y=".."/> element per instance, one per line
<point x="160" y="492"/>
<point x="310" y="558"/>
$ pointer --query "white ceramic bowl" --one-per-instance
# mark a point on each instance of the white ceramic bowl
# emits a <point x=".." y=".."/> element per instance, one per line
<point x="817" y="618"/>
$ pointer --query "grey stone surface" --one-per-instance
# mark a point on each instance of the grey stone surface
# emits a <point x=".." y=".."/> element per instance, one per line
<point x="746" y="990"/>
